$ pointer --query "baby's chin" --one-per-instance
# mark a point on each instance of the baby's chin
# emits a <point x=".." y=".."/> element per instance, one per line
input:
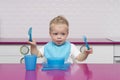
<point x="59" y="44"/>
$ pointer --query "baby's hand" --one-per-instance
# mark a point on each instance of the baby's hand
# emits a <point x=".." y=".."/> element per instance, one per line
<point x="33" y="43"/>
<point x="90" y="51"/>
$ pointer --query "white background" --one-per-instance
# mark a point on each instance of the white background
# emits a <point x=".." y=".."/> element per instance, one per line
<point x="94" y="18"/>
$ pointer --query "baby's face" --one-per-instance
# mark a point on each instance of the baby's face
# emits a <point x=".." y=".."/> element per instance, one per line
<point x="59" y="33"/>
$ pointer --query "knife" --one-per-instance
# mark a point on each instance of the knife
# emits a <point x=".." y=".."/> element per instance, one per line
<point x="30" y="34"/>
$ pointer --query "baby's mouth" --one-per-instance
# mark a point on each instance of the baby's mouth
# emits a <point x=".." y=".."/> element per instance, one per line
<point x="59" y="41"/>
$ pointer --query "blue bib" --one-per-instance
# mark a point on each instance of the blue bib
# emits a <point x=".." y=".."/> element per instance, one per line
<point x="51" y="50"/>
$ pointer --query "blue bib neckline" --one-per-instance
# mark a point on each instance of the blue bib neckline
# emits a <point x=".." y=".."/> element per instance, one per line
<point x="51" y="50"/>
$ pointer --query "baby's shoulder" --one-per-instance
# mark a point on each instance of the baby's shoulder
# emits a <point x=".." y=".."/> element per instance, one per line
<point x="72" y="44"/>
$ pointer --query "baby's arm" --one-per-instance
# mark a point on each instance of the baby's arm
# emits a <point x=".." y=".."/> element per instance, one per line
<point x="84" y="55"/>
<point x="34" y="49"/>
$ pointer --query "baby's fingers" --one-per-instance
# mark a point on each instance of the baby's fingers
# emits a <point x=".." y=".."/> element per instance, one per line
<point x="90" y="51"/>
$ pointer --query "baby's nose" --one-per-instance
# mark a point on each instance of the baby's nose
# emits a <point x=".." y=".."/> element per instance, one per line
<point x="59" y="36"/>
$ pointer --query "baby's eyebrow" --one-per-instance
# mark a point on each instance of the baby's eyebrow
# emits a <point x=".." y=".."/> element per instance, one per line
<point x="55" y="32"/>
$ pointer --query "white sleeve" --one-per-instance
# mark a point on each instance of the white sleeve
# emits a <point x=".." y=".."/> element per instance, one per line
<point x="74" y="51"/>
<point x="42" y="50"/>
<point x="41" y="59"/>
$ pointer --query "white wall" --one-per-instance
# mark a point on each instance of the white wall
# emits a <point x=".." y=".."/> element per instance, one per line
<point x="94" y="18"/>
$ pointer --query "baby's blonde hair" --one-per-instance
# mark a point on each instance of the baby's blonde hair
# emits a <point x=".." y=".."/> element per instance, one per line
<point x="58" y="20"/>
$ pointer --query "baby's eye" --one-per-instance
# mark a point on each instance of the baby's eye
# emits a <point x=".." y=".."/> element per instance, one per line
<point x="63" y="33"/>
<point x="55" y="33"/>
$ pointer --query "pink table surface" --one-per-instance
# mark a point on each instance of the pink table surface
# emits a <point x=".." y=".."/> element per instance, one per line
<point x="76" y="72"/>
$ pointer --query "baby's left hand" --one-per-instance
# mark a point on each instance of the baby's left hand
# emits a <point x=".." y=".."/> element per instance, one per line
<point x="90" y="51"/>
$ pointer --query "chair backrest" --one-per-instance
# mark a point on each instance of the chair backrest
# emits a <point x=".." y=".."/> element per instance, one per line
<point x="22" y="60"/>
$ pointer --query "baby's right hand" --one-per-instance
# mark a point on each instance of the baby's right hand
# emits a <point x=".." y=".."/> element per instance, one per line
<point x="33" y="43"/>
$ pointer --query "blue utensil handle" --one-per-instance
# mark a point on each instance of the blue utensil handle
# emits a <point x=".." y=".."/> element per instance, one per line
<point x="30" y="37"/>
<point x="86" y="43"/>
<point x="30" y="34"/>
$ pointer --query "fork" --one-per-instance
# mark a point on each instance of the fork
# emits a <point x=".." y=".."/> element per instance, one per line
<point x="86" y="43"/>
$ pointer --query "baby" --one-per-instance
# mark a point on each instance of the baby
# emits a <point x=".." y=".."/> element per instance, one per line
<point x="59" y="47"/>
